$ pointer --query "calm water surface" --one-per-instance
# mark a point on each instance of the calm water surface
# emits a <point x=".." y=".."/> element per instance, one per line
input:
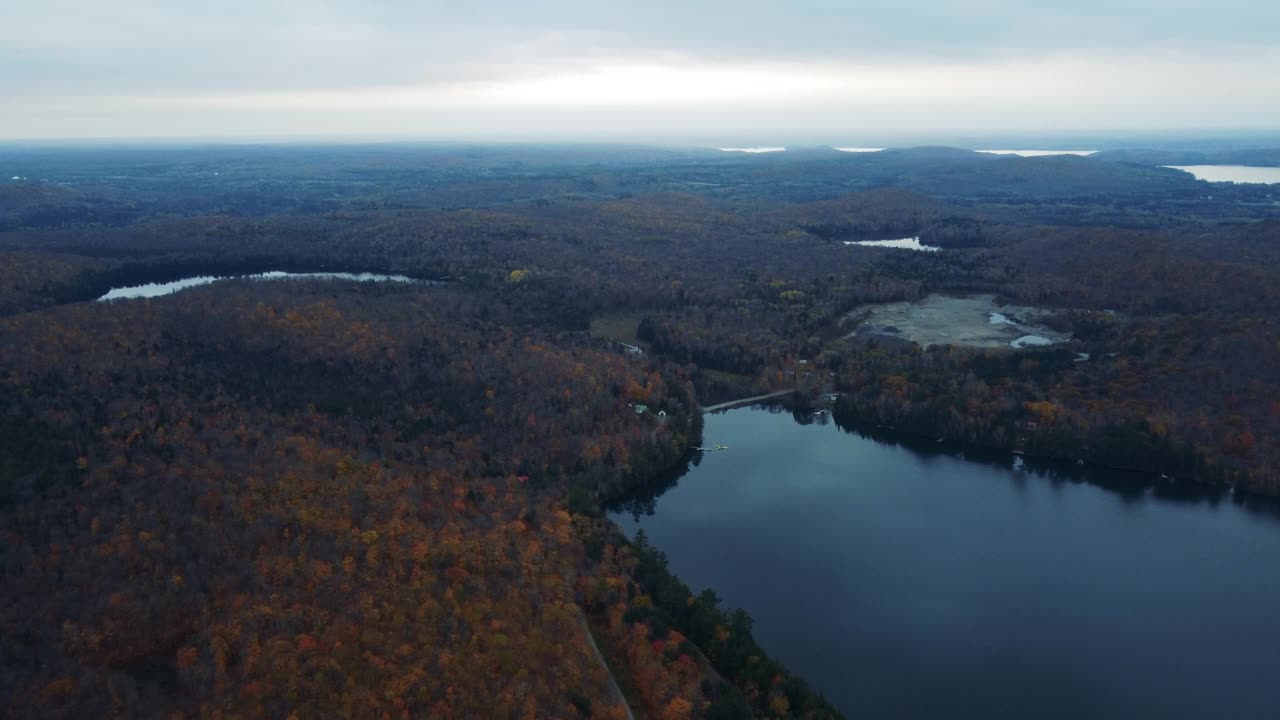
<point x="763" y="149"/>
<point x="1038" y="153"/>
<point x="911" y="583"/>
<point x="911" y="243"/>
<point x="158" y="289"/>
<point x="1232" y="173"/>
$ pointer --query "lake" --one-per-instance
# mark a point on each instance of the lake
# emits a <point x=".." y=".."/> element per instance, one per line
<point x="911" y="243"/>
<point x="157" y="289"/>
<point x="1038" y="153"/>
<point x="911" y="582"/>
<point x="766" y="149"/>
<point x="1231" y="173"/>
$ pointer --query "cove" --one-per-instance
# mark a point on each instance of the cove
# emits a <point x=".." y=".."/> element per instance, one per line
<point x="919" y="581"/>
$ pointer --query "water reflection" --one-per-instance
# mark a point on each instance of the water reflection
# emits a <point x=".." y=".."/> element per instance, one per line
<point x="904" y="577"/>
<point x="150" y="290"/>
<point x="1127" y="485"/>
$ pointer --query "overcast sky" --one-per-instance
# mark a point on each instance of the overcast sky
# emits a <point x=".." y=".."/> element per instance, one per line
<point x="730" y="71"/>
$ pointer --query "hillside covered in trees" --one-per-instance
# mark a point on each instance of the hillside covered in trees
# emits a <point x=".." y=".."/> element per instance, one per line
<point x="266" y="499"/>
<point x="258" y="498"/>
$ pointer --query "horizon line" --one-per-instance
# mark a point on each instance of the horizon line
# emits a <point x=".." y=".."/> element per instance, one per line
<point x="863" y="138"/>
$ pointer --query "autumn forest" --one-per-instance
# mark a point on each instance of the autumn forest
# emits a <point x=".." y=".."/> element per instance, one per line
<point x="310" y="498"/>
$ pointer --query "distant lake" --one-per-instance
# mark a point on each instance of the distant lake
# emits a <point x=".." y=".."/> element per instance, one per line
<point x="158" y="289"/>
<point x="1038" y="153"/>
<point x="920" y="581"/>
<point x="1231" y="173"/>
<point x="859" y="149"/>
<point x="911" y="243"/>
<point x="767" y="149"/>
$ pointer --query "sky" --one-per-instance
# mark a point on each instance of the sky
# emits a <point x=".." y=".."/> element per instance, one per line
<point x="716" y="71"/>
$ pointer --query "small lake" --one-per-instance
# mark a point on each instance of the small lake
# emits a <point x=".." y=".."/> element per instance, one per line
<point x="911" y="243"/>
<point x="1038" y="153"/>
<point x="157" y="289"/>
<point x="913" y="582"/>
<point x="764" y="149"/>
<point x="1231" y="173"/>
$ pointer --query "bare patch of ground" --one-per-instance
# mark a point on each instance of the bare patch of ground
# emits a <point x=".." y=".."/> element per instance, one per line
<point x="617" y="326"/>
<point x="970" y="321"/>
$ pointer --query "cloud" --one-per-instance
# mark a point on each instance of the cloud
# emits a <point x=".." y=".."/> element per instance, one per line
<point x="79" y="67"/>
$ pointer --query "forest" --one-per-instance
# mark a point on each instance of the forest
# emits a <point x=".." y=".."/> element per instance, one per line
<point x="258" y="499"/>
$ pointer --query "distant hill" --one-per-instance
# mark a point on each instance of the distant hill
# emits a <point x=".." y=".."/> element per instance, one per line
<point x="1260" y="157"/>
<point x="954" y="173"/>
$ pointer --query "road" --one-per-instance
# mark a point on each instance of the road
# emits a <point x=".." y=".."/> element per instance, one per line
<point x="745" y="401"/>
<point x="617" y="691"/>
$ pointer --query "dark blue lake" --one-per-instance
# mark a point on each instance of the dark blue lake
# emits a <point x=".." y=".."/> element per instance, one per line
<point x="904" y="581"/>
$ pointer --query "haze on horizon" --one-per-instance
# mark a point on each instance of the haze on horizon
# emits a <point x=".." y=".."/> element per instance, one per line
<point x="725" y="71"/>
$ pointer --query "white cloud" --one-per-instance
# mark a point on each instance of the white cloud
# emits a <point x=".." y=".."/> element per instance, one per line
<point x="70" y="68"/>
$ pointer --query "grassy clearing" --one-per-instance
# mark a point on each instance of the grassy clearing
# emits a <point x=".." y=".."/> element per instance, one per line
<point x="619" y="325"/>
